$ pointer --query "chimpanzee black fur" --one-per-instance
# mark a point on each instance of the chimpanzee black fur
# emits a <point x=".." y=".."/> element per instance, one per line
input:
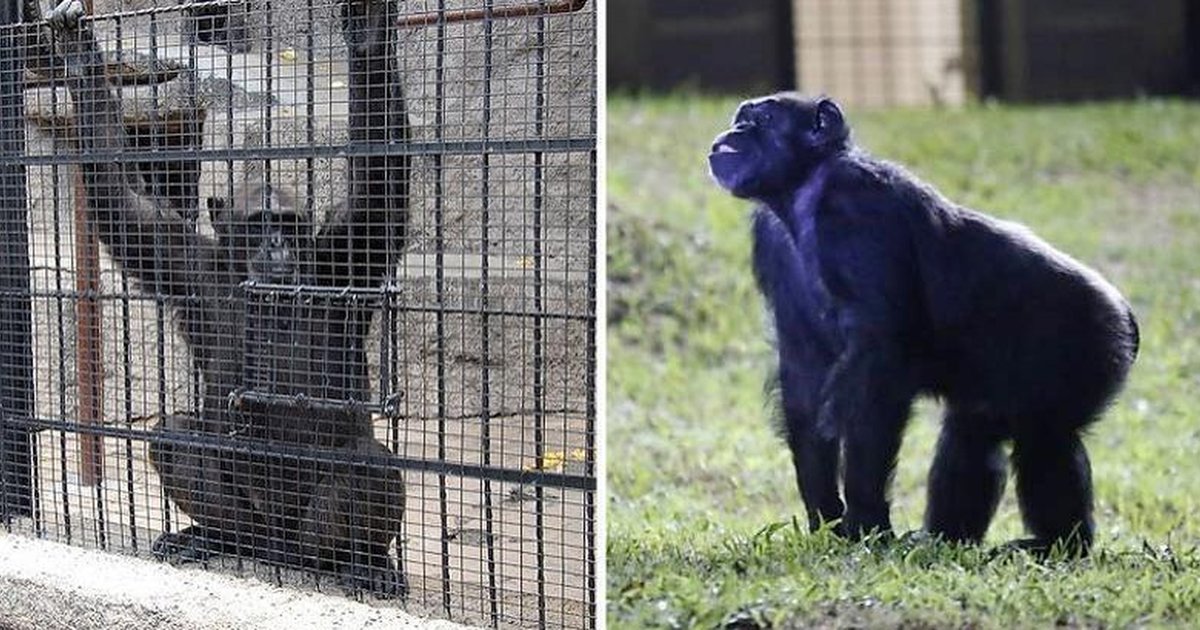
<point x="276" y="365"/>
<point x="881" y="290"/>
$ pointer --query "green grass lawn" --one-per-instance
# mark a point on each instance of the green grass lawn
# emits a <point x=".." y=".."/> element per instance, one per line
<point x="702" y="501"/>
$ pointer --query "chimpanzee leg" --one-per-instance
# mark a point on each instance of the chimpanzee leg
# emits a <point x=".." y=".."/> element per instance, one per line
<point x="967" y="477"/>
<point x="1054" y="487"/>
<point x="355" y="512"/>
<point x="814" y="456"/>
<point x="203" y="484"/>
<point x="870" y="463"/>
<point x="867" y="401"/>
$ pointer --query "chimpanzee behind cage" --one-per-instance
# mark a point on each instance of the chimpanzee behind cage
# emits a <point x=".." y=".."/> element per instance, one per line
<point x="291" y="456"/>
<point x="270" y="371"/>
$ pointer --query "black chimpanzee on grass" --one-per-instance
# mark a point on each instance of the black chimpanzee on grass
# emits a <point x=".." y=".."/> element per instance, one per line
<point x="282" y="371"/>
<point x="881" y="289"/>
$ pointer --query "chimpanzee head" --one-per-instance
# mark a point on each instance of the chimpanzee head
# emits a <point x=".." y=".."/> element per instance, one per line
<point x="223" y="25"/>
<point x="263" y="228"/>
<point x="774" y="143"/>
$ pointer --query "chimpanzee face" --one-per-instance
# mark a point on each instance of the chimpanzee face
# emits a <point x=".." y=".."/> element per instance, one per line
<point x="275" y="240"/>
<point x="773" y="143"/>
<point x="267" y="233"/>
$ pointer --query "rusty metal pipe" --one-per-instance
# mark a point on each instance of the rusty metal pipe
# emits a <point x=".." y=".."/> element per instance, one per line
<point x="530" y="9"/>
<point x="89" y="338"/>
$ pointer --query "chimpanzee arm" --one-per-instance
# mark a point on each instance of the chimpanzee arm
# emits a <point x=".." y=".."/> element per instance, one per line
<point x="149" y="241"/>
<point x="359" y="244"/>
<point x="867" y="263"/>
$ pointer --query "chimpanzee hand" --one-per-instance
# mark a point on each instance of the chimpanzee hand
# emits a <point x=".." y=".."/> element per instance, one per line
<point x="366" y="25"/>
<point x="73" y="37"/>
<point x="66" y="16"/>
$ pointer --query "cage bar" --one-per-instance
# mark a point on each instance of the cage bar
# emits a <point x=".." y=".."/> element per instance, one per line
<point x="341" y="345"/>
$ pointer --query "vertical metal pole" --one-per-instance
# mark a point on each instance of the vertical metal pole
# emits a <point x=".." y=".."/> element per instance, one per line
<point x="160" y="307"/>
<point x="439" y="219"/>
<point x="589" y="496"/>
<point x="61" y="517"/>
<point x="127" y="373"/>
<point x="16" y="304"/>
<point x="539" y="309"/>
<point x="485" y="385"/>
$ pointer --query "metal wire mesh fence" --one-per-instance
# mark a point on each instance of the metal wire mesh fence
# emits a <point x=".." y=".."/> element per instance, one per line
<point x="305" y="289"/>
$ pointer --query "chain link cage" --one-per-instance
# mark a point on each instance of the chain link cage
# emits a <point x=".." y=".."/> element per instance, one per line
<point x="305" y="290"/>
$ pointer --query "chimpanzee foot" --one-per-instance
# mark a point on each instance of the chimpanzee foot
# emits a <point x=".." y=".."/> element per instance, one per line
<point x="382" y="582"/>
<point x="189" y="544"/>
<point x="198" y="544"/>
<point x="1042" y="549"/>
<point x="857" y="530"/>
<point x="918" y="537"/>
<point x="280" y="552"/>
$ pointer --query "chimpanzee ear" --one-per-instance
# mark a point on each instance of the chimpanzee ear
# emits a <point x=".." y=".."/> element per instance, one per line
<point x="829" y="124"/>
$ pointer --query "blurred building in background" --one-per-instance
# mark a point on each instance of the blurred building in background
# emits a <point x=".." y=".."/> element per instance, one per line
<point x="876" y="52"/>
<point x="909" y="52"/>
<point x="711" y="45"/>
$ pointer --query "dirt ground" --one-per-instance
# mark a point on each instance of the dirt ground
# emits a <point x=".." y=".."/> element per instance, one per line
<point x="147" y="367"/>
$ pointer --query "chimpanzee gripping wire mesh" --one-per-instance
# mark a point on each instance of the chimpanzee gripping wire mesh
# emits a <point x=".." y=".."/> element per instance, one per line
<point x="305" y="290"/>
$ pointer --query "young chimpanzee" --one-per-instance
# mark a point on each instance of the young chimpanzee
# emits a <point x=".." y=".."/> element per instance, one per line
<point x="881" y="289"/>
<point x="280" y="368"/>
